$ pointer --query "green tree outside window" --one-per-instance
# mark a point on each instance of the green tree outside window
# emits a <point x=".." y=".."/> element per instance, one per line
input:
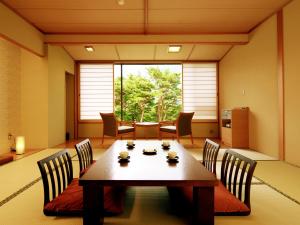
<point x="155" y="97"/>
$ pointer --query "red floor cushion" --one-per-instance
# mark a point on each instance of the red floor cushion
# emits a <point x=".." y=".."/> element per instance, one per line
<point x="225" y="202"/>
<point x="70" y="202"/>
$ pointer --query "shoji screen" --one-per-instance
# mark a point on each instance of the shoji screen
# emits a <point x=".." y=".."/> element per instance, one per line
<point x="200" y="90"/>
<point x="96" y="90"/>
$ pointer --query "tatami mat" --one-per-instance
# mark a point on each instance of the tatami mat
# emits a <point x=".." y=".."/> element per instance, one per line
<point x="16" y="174"/>
<point x="280" y="175"/>
<point x="268" y="208"/>
<point x="150" y="205"/>
<point x="197" y="153"/>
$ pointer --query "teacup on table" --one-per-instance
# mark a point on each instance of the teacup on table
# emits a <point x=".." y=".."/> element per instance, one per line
<point x="172" y="154"/>
<point x="165" y="143"/>
<point x="130" y="143"/>
<point x="123" y="154"/>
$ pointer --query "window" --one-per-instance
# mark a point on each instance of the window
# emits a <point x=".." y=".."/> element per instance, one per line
<point x="149" y="92"/>
<point x="200" y="90"/>
<point x="96" y="90"/>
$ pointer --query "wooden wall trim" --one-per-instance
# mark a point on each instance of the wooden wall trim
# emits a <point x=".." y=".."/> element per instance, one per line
<point x="218" y="98"/>
<point x="21" y="45"/>
<point x="280" y="49"/>
<point x="226" y="53"/>
<point x="76" y="66"/>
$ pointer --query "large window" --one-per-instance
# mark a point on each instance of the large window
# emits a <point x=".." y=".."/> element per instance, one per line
<point x="148" y="92"/>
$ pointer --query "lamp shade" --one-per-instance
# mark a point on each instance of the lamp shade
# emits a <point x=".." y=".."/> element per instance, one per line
<point x="20" y="145"/>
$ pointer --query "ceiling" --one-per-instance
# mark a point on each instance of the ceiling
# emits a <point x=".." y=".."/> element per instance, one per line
<point x="152" y="52"/>
<point x="145" y="17"/>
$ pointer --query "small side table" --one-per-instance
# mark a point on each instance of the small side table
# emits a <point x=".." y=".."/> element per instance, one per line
<point x="148" y="125"/>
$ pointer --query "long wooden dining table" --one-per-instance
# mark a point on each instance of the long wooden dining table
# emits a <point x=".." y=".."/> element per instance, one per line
<point x="147" y="170"/>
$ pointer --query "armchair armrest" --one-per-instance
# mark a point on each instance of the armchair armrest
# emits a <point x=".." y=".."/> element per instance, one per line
<point x="164" y="123"/>
<point x="128" y="123"/>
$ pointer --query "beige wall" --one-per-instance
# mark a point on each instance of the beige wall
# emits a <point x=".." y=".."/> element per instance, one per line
<point x="32" y="96"/>
<point x="23" y="97"/>
<point x="253" y="68"/>
<point x="199" y="130"/>
<point x="10" y="93"/>
<point x="34" y="99"/>
<point x="291" y="15"/>
<point x="58" y="63"/>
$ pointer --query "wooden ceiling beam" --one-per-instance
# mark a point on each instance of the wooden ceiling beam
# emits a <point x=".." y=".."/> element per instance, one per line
<point x="145" y="16"/>
<point x="232" y="39"/>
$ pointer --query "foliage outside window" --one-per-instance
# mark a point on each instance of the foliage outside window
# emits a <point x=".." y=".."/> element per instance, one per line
<point x="152" y="94"/>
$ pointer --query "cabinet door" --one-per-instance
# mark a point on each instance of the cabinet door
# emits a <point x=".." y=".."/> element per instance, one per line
<point x="227" y="136"/>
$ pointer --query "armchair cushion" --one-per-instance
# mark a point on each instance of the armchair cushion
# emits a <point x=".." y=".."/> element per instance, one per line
<point x="169" y="129"/>
<point x="167" y="122"/>
<point x="125" y="129"/>
<point x="70" y="201"/>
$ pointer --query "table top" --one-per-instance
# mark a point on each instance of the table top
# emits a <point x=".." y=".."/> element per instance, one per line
<point x="147" y="170"/>
<point x="146" y="124"/>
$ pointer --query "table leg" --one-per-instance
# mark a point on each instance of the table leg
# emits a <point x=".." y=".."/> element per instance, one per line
<point x="93" y="205"/>
<point x="203" y="205"/>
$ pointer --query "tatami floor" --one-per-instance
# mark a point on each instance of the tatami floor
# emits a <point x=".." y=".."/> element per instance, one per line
<point x="275" y="194"/>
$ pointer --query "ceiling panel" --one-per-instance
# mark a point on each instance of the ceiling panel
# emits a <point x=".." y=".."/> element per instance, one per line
<point x="75" y="28"/>
<point x="165" y="17"/>
<point x="217" y="4"/>
<point x="136" y="52"/>
<point x="200" y="28"/>
<point x="102" y="52"/>
<point x="208" y="20"/>
<point x="74" y="4"/>
<point x="147" y="52"/>
<point x="209" y="52"/>
<point x="83" y="16"/>
<point x="162" y="53"/>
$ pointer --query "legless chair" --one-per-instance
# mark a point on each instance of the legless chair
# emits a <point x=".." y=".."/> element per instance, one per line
<point x="210" y="154"/>
<point x="111" y="126"/>
<point x="181" y="127"/>
<point x="85" y="155"/>
<point x="62" y="194"/>
<point x="232" y="195"/>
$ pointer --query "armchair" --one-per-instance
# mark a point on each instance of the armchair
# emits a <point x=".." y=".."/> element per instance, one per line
<point x="114" y="128"/>
<point x="180" y="127"/>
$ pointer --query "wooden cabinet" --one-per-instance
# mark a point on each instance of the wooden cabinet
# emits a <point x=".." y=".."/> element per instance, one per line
<point x="235" y="127"/>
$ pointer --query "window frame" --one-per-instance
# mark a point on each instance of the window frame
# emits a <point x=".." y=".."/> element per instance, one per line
<point x="92" y="121"/>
